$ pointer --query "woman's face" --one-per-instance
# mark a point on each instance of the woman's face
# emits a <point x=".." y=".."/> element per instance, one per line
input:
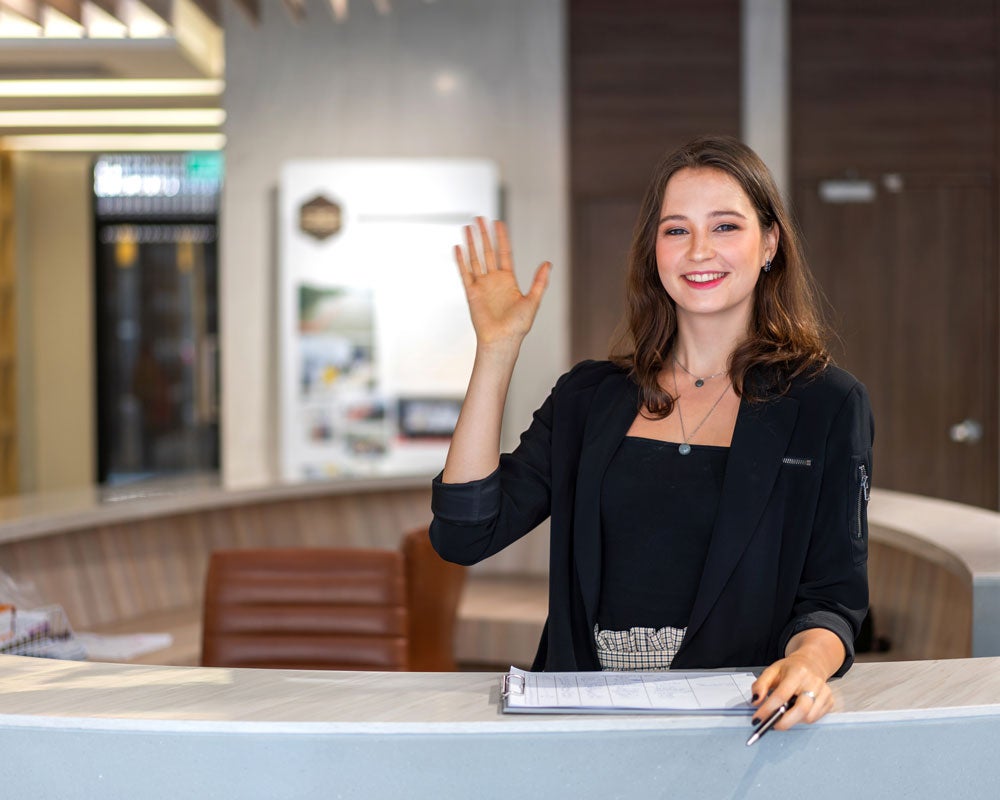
<point x="709" y="244"/>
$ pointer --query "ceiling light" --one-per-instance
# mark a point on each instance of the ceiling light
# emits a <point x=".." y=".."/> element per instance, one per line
<point x="112" y="88"/>
<point x="114" y="118"/>
<point x="111" y="142"/>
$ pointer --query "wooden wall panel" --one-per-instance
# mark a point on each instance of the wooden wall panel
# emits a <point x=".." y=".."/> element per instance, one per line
<point x="643" y="78"/>
<point x="893" y="86"/>
<point x="902" y="98"/>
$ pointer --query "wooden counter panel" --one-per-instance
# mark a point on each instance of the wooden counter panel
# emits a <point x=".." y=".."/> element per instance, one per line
<point x="120" y="571"/>
<point x="922" y="606"/>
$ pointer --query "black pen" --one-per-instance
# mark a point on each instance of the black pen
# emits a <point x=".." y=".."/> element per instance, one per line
<point x="769" y="723"/>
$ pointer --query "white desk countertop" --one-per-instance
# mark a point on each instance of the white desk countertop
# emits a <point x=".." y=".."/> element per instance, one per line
<point x="65" y="694"/>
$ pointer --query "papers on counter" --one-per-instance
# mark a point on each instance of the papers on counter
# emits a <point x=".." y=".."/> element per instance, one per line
<point x="708" y="692"/>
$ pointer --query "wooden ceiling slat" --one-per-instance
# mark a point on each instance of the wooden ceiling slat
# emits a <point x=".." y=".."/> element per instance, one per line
<point x="251" y="8"/>
<point x="211" y="9"/>
<point x="109" y="7"/>
<point x="69" y="8"/>
<point x="164" y="9"/>
<point x="29" y="9"/>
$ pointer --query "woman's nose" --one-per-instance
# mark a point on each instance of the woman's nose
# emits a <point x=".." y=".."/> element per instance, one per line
<point x="701" y="248"/>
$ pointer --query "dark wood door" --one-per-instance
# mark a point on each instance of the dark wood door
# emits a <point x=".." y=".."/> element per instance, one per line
<point x="643" y="78"/>
<point x="910" y="273"/>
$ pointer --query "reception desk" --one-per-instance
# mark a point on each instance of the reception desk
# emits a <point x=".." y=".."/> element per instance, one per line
<point x="134" y="560"/>
<point x="79" y="730"/>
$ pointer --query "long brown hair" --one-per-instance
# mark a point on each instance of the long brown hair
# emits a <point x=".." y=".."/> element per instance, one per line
<point x="786" y="336"/>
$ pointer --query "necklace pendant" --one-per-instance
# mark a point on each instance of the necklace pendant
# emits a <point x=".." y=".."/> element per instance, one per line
<point x="699" y="383"/>
<point x="684" y="449"/>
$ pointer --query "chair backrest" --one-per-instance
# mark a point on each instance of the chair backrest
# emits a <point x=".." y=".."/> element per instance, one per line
<point x="306" y="608"/>
<point x="434" y="589"/>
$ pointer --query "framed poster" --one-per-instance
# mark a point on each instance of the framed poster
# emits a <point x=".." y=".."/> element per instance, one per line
<point x="376" y="344"/>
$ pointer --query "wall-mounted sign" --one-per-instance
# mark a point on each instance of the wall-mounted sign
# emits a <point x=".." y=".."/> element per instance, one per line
<point x="376" y="345"/>
<point x="847" y="191"/>
<point x="320" y="218"/>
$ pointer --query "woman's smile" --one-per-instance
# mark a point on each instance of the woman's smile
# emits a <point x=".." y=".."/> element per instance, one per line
<point x="705" y="280"/>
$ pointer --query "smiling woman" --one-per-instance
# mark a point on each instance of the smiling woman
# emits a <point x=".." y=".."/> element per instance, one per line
<point x="690" y="528"/>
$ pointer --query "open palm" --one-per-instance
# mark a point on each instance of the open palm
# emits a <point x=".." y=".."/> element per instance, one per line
<point x="500" y="313"/>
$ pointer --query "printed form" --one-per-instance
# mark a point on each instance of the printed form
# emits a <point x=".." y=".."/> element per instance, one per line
<point x="707" y="692"/>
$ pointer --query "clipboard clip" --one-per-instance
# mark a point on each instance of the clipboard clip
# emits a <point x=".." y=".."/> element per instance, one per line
<point x="511" y="684"/>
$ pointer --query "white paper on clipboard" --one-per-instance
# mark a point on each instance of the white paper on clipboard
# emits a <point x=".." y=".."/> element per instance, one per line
<point x="669" y="692"/>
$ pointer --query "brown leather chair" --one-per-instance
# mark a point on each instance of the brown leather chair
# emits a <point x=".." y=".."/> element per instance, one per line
<point x="306" y="608"/>
<point x="332" y="608"/>
<point x="433" y="589"/>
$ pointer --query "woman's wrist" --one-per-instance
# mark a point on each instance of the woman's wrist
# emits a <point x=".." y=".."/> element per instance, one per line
<point x="820" y="647"/>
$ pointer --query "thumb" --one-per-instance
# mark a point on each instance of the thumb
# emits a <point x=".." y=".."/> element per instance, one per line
<point x="540" y="282"/>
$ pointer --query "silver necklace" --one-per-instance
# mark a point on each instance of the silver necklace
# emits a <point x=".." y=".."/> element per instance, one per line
<point x="699" y="382"/>
<point x="684" y="448"/>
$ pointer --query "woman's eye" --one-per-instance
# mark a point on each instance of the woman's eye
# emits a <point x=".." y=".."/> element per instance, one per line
<point x="674" y="232"/>
<point x="727" y="226"/>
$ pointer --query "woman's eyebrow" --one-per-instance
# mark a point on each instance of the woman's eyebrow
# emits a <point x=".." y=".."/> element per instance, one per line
<point x="682" y="218"/>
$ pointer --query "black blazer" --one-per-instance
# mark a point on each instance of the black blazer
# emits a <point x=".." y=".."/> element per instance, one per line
<point x="789" y="545"/>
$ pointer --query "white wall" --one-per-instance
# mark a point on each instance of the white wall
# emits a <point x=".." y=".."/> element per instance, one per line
<point x="462" y="78"/>
<point x="765" y="79"/>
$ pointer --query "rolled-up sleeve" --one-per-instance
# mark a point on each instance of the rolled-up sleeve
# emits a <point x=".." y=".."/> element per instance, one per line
<point x="474" y="520"/>
<point x="466" y="503"/>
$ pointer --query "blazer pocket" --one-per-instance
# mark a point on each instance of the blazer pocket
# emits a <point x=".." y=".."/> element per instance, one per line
<point x="858" y="493"/>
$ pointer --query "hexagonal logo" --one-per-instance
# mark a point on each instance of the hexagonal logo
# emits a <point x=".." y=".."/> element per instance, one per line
<point x="320" y="218"/>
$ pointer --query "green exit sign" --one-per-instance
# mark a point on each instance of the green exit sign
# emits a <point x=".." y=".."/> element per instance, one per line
<point x="204" y="166"/>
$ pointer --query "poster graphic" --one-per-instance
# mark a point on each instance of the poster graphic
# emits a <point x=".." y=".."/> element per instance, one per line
<point x="376" y="343"/>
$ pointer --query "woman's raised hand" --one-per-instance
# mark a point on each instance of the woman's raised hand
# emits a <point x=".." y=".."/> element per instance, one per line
<point x="501" y="315"/>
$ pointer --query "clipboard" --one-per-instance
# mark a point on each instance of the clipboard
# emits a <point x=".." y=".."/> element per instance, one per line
<point x="708" y="692"/>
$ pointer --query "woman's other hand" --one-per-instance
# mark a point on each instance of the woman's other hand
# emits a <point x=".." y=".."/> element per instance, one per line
<point x="501" y="315"/>
<point x="811" y="657"/>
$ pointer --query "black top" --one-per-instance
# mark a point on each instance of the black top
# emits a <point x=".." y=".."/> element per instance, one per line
<point x="657" y="512"/>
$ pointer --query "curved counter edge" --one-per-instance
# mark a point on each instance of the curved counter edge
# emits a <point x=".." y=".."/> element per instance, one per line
<point x="907" y="729"/>
<point x="25" y="517"/>
<point x="963" y="539"/>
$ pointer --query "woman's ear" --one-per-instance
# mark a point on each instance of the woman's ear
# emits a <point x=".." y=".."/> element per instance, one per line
<point x="771" y="236"/>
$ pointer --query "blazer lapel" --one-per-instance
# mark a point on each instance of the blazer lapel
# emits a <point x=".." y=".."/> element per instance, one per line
<point x="614" y="408"/>
<point x="759" y="441"/>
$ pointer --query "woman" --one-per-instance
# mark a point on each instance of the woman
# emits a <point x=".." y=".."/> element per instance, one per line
<point x="708" y="489"/>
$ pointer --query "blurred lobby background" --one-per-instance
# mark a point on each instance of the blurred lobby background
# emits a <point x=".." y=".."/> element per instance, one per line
<point x="878" y="118"/>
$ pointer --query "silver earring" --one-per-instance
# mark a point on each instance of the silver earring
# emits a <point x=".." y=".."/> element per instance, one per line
<point x="767" y="265"/>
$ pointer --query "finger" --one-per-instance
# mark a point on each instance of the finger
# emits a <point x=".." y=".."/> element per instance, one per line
<point x="470" y="243"/>
<point x="763" y="686"/>
<point x="780" y="694"/>
<point x="796" y="714"/>
<point x="807" y="708"/>
<point x="489" y="258"/>
<point x="539" y="284"/>
<point x="823" y="704"/>
<point x="504" y="259"/>
<point x="463" y="269"/>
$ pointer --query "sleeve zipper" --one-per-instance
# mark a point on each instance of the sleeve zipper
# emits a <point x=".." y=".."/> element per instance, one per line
<point x="863" y="495"/>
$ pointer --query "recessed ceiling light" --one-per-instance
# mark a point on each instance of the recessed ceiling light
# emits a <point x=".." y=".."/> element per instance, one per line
<point x="112" y="88"/>
<point x="117" y="117"/>
<point x="110" y="142"/>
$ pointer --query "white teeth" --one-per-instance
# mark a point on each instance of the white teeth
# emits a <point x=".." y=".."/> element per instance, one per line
<point x="705" y="277"/>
